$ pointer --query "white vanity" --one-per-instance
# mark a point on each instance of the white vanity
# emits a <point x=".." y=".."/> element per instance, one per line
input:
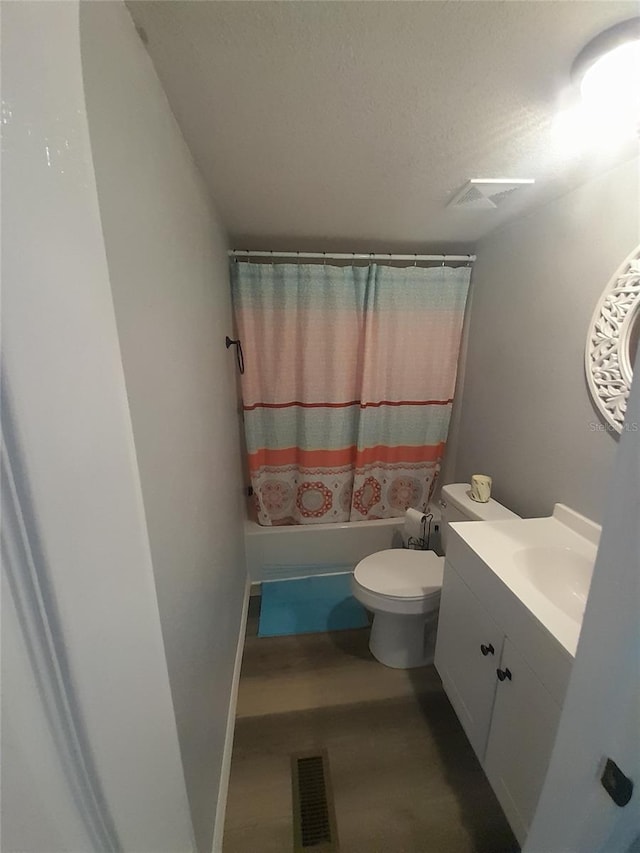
<point x="512" y="603"/>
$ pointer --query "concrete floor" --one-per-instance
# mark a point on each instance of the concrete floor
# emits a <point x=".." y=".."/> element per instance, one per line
<point x="404" y="777"/>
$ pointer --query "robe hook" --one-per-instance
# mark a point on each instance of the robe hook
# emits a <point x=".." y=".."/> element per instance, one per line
<point x="229" y="342"/>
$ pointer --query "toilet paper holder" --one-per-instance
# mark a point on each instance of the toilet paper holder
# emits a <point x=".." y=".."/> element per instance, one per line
<point x="422" y="542"/>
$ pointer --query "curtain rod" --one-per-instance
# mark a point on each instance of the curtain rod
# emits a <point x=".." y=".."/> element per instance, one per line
<point x="349" y="256"/>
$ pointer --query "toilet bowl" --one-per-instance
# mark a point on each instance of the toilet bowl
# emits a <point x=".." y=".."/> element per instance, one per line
<point x="401" y="587"/>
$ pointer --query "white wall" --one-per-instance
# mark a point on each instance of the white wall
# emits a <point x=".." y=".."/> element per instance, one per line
<point x="167" y="260"/>
<point x="38" y="807"/>
<point x="601" y="713"/>
<point x="79" y="521"/>
<point x="526" y="416"/>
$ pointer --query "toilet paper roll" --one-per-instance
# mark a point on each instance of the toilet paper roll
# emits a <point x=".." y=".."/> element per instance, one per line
<point x="413" y="525"/>
<point x="480" y="488"/>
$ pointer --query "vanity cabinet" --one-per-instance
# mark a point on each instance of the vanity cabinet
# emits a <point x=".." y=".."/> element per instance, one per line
<point x="523" y="728"/>
<point x="506" y="711"/>
<point x="468" y="650"/>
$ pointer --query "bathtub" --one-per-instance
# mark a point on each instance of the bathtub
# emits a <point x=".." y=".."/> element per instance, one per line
<point x="298" y="550"/>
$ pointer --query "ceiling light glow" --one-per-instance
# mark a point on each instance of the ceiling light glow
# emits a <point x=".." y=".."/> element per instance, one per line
<point x="610" y="87"/>
<point x="606" y="75"/>
<point x="577" y="130"/>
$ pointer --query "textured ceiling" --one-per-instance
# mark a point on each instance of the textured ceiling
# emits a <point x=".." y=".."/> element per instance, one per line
<point x="328" y="125"/>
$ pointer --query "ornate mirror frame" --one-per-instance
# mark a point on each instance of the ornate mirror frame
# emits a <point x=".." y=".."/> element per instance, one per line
<point x="607" y="360"/>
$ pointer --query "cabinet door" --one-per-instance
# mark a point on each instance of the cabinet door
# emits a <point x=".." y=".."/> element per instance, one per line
<point x="468" y="676"/>
<point x="523" y="729"/>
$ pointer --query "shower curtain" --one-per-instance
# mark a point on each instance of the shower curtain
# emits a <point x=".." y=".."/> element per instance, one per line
<point x="348" y="387"/>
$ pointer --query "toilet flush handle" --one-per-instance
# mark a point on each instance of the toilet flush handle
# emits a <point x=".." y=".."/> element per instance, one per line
<point x="487" y="650"/>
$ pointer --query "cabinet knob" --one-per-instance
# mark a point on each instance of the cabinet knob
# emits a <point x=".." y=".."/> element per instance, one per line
<point x="504" y="673"/>
<point x="487" y="650"/>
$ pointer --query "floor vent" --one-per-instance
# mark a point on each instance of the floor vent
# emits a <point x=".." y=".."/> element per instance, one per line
<point x="314" y="820"/>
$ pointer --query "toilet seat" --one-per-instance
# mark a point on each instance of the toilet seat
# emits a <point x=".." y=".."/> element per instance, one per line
<point x="401" y="573"/>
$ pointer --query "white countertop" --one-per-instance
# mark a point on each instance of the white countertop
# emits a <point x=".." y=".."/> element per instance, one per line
<point x="501" y="544"/>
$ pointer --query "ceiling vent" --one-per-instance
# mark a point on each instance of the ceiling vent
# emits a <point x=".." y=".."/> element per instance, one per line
<point x="488" y="193"/>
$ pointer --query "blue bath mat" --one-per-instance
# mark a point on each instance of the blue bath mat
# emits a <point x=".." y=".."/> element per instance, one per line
<point x="309" y="606"/>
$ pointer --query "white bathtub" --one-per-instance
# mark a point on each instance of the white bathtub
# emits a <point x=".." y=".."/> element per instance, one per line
<point x="299" y="550"/>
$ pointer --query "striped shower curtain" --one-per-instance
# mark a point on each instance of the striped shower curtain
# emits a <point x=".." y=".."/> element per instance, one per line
<point x="347" y="393"/>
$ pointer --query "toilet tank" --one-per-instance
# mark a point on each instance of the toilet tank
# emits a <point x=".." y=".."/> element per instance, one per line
<point x="457" y="505"/>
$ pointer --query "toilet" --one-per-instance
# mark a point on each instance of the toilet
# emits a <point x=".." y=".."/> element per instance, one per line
<point x="401" y="587"/>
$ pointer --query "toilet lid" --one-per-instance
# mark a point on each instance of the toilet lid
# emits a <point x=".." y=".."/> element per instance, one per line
<point x="401" y="573"/>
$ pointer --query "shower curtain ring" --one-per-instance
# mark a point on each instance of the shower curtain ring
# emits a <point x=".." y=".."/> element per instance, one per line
<point x="443" y="259"/>
<point x="324" y="259"/>
<point x="415" y="260"/>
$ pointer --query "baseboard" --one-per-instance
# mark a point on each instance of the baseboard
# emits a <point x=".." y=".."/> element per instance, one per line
<point x="218" y="830"/>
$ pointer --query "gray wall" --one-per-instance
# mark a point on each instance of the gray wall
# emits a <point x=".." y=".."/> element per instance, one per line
<point x="526" y="417"/>
<point x="166" y="253"/>
<point x="90" y="753"/>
